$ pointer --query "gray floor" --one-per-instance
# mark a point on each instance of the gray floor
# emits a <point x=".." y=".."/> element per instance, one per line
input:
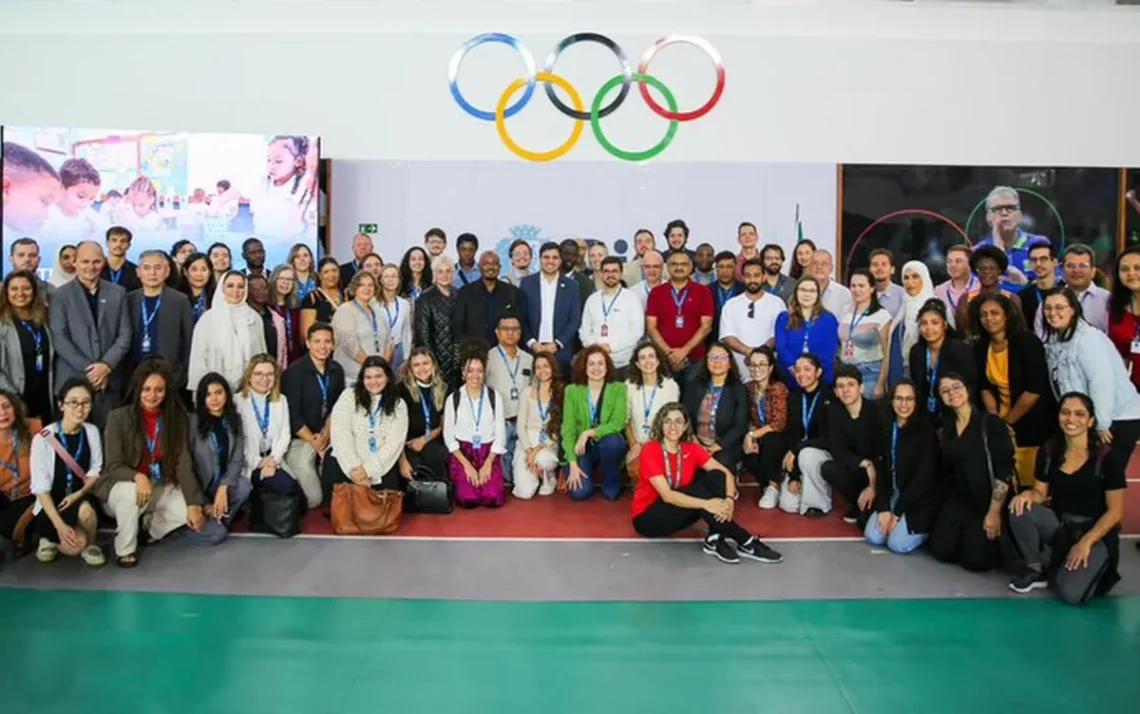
<point x="542" y="570"/>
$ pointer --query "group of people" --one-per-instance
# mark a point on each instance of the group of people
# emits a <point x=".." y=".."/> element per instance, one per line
<point x="990" y="418"/>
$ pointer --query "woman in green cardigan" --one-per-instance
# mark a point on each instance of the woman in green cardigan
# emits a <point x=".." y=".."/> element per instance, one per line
<point x="593" y="417"/>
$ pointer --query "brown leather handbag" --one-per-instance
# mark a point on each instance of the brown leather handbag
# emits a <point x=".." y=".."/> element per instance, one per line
<point x="358" y="510"/>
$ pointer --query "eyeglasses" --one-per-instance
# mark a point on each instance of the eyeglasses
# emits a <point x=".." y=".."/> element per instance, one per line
<point x="904" y="400"/>
<point x="718" y="357"/>
<point x="77" y="403"/>
<point x="1077" y="266"/>
<point x="1005" y="208"/>
<point x="263" y="375"/>
<point x="952" y="389"/>
<point x="681" y="422"/>
<point x="760" y="365"/>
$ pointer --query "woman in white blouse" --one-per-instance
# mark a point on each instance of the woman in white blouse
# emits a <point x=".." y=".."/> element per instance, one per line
<point x="475" y="432"/>
<point x="64" y="514"/>
<point x="397" y="316"/>
<point x="227" y="336"/>
<point x="367" y="430"/>
<point x="359" y="325"/>
<point x="539" y="423"/>
<point x="648" y="388"/>
<point x="865" y="333"/>
<point x="264" y="415"/>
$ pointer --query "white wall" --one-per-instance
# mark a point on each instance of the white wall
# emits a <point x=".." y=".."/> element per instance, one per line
<point x="839" y="82"/>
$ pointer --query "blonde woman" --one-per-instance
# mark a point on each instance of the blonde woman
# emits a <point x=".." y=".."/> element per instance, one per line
<point x="264" y="415"/>
<point x="360" y="326"/>
<point x="304" y="270"/>
<point x="397" y="315"/>
<point x="283" y="301"/>
<point x="424" y="392"/>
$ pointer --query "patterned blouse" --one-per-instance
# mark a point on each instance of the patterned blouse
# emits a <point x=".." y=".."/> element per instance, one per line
<point x="776" y="405"/>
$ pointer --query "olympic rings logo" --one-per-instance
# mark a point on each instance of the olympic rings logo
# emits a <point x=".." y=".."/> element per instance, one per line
<point x="505" y="109"/>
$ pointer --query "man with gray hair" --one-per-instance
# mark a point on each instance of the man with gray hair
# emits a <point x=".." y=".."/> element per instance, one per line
<point x="162" y="322"/>
<point x="1003" y="215"/>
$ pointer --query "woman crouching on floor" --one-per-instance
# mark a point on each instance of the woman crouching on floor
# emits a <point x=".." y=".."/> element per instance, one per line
<point x="672" y="495"/>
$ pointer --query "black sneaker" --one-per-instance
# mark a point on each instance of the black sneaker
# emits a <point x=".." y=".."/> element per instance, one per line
<point x="725" y="553"/>
<point x="852" y="515"/>
<point x="814" y="513"/>
<point x="1028" y="581"/>
<point x="756" y="549"/>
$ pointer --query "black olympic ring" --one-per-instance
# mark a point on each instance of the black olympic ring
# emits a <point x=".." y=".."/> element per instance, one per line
<point x="626" y="73"/>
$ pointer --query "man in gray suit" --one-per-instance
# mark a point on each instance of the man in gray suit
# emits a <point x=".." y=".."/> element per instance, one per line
<point x="161" y="320"/>
<point x="91" y="331"/>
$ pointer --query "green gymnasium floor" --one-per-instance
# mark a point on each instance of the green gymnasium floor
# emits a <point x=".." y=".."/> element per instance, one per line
<point x="123" y="652"/>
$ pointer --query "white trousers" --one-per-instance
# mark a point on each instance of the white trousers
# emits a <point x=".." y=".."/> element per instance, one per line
<point x="526" y="481"/>
<point x="301" y="463"/>
<point x="816" y="491"/>
<point x="164" y="513"/>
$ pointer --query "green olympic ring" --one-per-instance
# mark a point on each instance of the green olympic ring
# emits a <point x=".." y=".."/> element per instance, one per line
<point x="596" y="125"/>
<point x="1031" y="192"/>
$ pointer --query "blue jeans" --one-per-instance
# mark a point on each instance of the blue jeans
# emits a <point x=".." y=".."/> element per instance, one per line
<point x="870" y="372"/>
<point x="509" y="456"/>
<point x="900" y="540"/>
<point x="608" y="453"/>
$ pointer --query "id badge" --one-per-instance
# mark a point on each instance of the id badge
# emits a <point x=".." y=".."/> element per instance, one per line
<point x="542" y="436"/>
<point x="605" y="330"/>
<point x="679" y="323"/>
<point x="848" y="349"/>
<point x="1136" y="347"/>
<point x="645" y="430"/>
<point x="146" y="343"/>
<point x="477" y="441"/>
<point x="155" y="471"/>
<point x="40" y="361"/>
<point x="514" y="394"/>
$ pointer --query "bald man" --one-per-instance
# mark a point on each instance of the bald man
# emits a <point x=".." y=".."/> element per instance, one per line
<point x="91" y="331"/>
<point x="479" y="305"/>
<point x="835" y="296"/>
<point x="361" y="247"/>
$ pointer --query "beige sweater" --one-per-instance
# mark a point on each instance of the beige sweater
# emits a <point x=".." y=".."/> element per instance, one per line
<point x="349" y="434"/>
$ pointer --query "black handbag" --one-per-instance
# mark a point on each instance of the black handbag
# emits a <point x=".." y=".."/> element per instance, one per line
<point x="278" y="514"/>
<point x="428" y="492"/>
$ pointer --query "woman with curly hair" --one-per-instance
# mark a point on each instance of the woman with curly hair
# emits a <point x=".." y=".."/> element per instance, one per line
<point x="594" y="414"/>
<point x="672" y="494"/>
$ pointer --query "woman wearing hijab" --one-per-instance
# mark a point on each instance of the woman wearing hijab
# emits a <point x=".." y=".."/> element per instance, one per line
<point x="905" y="334"/>
<point x="227" y="336"/>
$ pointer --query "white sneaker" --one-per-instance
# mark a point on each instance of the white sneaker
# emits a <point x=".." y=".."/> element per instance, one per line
<point x="789" y="502"/>
<point x="549" y="483"/>
<point x="46" y="551"/>
<point x="770" y="499"/>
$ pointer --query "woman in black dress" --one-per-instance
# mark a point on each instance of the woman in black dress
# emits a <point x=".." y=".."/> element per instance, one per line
<point x="320" y="304"/>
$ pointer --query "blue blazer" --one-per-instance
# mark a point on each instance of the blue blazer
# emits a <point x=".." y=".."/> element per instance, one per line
<point x="567" y="313"/>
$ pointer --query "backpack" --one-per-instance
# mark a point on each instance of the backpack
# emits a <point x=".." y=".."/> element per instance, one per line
<point x="458" y="394"/>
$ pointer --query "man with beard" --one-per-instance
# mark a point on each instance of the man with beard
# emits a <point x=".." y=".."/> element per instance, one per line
<point x="253" y="252"/>
<point x="749" y="320"/>
<point x="479" y="305"/>
<point x="724" y="288"/>
<point x="775" y="282"/>
<point x="890" y="294"/>
<point x="643" y="242"/>
<point x="552" y="311"/>
<point x="679" y="316"/>
<point x="571" y="261"/>
<point x="613" y="318"/>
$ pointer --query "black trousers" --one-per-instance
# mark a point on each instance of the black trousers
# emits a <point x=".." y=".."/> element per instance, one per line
<point x="958" y="537"/>
<point x="433" y="456"/>
<point x="46" y="529"/>
<point x="848" y="483"/>
<point x="765" y="466"/>
<point x="662" y="519"/>
<point x="11" y="512"/>
<point x="1124" y="436"/>
<point x="332" y="474"/>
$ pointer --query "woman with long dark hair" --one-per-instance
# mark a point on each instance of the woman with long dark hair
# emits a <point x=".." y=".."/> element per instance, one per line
<point x="648" y="387"/>
<point x="937" y="352"/>
<point x="1124" y="310"/>
<point x="25" y="343"/>
<point x="1013" y="376"/>
<point x="539" y="422"/>
<point x="17" y="501"/>
<point x="681" y="483"/>
<point x="326" y="296"/>
<point x="807" y="328"/>
<point x="198" y="284"/>
<point x="769" y="411"/>
<point x="217" y="445"/>
<point x="717" y="403"/>
<point x="368" y="428"/>
<point x="807" y="427"/>
<point x="304" y="271"/>
<point x="149" y="470"/>
<point x="865" y="333"/>
<point x="907" y="470"/>
<point x="415" y="273"/>
<point x="1074" y="511"/>
<point x="801" y="258"/>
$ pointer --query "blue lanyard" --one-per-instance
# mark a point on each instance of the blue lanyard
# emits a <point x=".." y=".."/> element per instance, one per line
<point x="807" y="413"/>
<point x="807" y="335"/>
<point x="373" y="416"/>
<point x="262" y="420"/>
<point x="219" y="457"/>
<point x="478" y="414"/>
<point x="38" y="337"/>
<point x="116" y="275"/>
<point x="931" y="382"/>
<point x="647" y="406"/>
<point x="513" y="374"/>
<point x="723" y="295"/>
<point x="200" y="305"/>
<point x="305" y="287"/>
<point x="392" y="319"/>
<point x="716" y="393"/>
<point x="762" y="408"/>
<point x="855" y="320"/>
<point x="415" y="291"/>
<point x="606" y="310"/>
<point x="149" y="318"/>
<point x="78" y="451"/>
<point x="542" y="413"/>
<point x="679" y="297"/>
<point x="14" y="466"/>
<point x="370" y="313"/>
<point x="425" y="407"/>
<point x="152" y="447"/>
<point x="894" y="453"/>
<point x="323" y="383"/>
<point x="283" y="312"/>
<point x="950" y="298"/>
<point x="595" y="409"/>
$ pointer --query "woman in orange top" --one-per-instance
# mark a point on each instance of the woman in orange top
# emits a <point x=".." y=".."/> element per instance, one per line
<point x="16" y="499"/>
<point x="671" y="495"/>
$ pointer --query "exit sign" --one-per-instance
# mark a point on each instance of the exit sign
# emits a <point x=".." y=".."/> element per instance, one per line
<point x="367" y="228"/>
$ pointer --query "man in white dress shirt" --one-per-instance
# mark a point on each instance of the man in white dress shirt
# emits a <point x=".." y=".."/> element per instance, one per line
<point x="613" y="318"/>
<point x="748" y="320"/>
<point x="836" y="298"/>
<point x="653" y="266"/>
<point x="1078" y="263"/>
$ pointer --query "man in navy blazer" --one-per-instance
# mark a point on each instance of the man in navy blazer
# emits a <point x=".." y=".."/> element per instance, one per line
<point x="557" y="294"/>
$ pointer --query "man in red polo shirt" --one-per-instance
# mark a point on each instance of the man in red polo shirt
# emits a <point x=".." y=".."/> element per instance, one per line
<point x="679" y="315"/>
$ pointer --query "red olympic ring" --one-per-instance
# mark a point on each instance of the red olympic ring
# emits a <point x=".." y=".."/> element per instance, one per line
<point x="701" y="44"/>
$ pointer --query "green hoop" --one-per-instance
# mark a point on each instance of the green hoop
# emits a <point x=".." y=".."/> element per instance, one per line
<point x="595" y="119"/>
<point x="1031" y="192"/>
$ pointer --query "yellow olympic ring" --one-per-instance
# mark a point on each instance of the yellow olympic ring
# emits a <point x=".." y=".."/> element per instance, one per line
<point x="555" y="153"/>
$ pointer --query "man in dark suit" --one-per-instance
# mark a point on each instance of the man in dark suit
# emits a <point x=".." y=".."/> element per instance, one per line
<point x="91" y="331"/>
<point x="571" y="256"/>
<point x="161" y="320"/>
<point x="361" y="247"/>
<point x="479" y="306"/>
<point x="552" y="309"/>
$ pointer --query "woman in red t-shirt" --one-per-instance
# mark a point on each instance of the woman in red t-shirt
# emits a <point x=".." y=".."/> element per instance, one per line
<point x="1124" y="311"/>
<point x="672" y="494"/>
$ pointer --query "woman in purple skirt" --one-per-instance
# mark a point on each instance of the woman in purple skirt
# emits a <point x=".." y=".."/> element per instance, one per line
<point x="474" y="431"/>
